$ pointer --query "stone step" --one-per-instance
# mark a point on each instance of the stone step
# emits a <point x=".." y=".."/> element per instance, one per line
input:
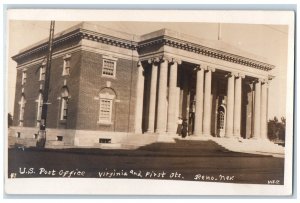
<point x="28" y="142"/>
<point x="251" y="146"/>
<point x="108" y="145"/>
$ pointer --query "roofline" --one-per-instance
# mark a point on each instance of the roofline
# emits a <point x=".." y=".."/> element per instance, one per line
<point x="134" y="42"/>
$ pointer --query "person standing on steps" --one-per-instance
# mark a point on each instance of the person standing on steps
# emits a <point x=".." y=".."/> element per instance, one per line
<point x="179" y="126"/>
<point x="184" y="130"/>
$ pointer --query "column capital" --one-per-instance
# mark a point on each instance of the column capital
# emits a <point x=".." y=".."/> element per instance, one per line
<point x="175" y="60"/>
<point x="139" y="63"/>
<point x="197" y="68"/>
<point x="209" y="68"/>
<point x="153" y="60"/>
<point x="164" y="58"/>
<point x="256" y="80"/>
<point x="271" y="77"/>
<point x="230" y="74"/>
<point x="200" y="67"/>
<point x="262" y="80"/>
<point x="240" y="75"/>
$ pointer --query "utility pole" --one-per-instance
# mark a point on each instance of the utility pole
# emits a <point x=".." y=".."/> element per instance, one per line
<point x="219" y="31"/>
<point x="42" y="131"/>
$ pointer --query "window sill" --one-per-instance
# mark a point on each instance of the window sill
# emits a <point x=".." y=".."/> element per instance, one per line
<point x="104" y="123"/>
<point x="110" y="77"/>
<point x="62" y="121"/>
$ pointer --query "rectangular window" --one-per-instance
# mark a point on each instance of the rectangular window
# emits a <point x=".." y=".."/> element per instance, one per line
<point x="64" y="108"/>
<point x="109" y="68"/>
<point x="66" y="65"/>
<point x="24" y="77"/>
<point x="105" y="111"/>
<point x="42" y="72"/>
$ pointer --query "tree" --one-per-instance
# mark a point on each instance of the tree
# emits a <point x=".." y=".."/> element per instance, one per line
<point x="282" y="129"/>
<point x="276" y="129"/>
<point x="9" y="120"/>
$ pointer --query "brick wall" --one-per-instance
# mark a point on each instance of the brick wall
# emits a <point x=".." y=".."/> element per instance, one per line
<point x="91" y="83"/>
<point x="31" y="91"/>
<point x="18" y="92"/>
<point x="55" y="90"/>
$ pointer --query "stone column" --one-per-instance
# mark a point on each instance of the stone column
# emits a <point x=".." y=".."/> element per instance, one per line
<point x="152" y="102"/>
<point x="230" y="106"/>
<point x="173" y="103"/>
<point x="178" y="106"/>
<point x="263" y="110"/>
<point x="185" y="94"/>
<point x="139" y="99"/>
<point x="199" y="101"/>
<point x="257" y="106"/>
<point x="237" y="106"/>
<point x="207" y="102"/>
<point x="162" y="97"/>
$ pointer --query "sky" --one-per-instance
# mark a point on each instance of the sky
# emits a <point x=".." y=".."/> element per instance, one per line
<point x="268" y="41"/>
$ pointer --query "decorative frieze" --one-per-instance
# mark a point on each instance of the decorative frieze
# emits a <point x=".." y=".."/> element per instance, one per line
<point x="206" y="51"/>
<point x="79" y="34"/>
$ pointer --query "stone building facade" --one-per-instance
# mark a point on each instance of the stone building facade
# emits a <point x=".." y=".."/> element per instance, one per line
<point x="108" y="86"/>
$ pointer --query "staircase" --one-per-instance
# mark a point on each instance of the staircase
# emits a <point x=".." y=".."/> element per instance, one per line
<point x="54" y="144"/>
<point x="264" y="147"/>
<point x="20" y="142"/>
<point x="135" y="141"/>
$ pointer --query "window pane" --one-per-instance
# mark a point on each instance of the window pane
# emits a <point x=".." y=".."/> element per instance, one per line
<point x="108" y="68"/>
<point x="105" y="110"/>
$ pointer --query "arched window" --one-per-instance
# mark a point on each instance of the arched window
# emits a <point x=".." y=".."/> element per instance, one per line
<point x="22" y="110"/>
<point x="106" y="98"/>
<point x="64" y="103"/>
<point x="221" y="118"/>
<point x="39" y="108"/>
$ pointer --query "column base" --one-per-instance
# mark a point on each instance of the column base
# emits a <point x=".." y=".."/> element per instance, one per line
<point x="165" y="139"/>
<point x="171" y="133"/>
<point x="150" y="131"/>
<point x="161" y="132"/>
<point x="237" y="135"/>
<point x="229" y="136"/>
<point x="255" y="138"/>
<point x="138" y="132"/>
<point x="196" y="135"/>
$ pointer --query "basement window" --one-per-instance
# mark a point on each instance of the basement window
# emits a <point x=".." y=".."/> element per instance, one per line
<point x="104" y="140"/>
<point x="59" y="138"/>
<point x="18" y="135"/>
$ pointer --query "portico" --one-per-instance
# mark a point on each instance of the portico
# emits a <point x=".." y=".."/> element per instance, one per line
<point x="213" y="91"/>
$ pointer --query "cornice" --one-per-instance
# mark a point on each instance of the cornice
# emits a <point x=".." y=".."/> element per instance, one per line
<point x="109" y="40"/>
<point x="206" y="51"/>
<point x="78" y="35"/>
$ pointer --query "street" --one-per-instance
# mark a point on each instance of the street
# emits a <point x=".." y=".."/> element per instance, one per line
<point x="185" y="160"/>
